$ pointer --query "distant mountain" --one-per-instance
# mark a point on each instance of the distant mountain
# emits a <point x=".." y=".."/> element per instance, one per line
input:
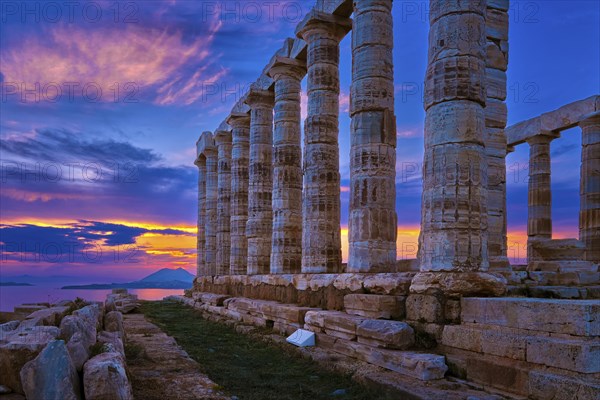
<point x="15" y="284"/>
<point x="163" y="279"/>
<point x="167" y="274"/>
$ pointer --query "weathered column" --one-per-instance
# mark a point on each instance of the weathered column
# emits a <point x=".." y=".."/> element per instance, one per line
<point x="539" y="198"/>
<point x="496" y="115"/>
<point x="259" y="225"/>
<point x="200" y="256"/>
<point x="589" y="215"/>
<point x="240" y="125"/>
<point x="373" y="226"/>
<point x="223" y="142"/>
<point x="454" y="238"/>
<point x="286" y="246"/>
<point x="211" y="209"/>
<point x="321" y="238"/>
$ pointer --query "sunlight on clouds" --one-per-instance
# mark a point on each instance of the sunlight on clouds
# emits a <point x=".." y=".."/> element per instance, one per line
<point x="148" y="58"/>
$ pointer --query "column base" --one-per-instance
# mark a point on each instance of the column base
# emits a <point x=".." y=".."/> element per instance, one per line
<point x="459" y="283"/>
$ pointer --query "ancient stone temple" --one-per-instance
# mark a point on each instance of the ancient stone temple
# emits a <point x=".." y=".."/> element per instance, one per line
<point x="269" y="242"/>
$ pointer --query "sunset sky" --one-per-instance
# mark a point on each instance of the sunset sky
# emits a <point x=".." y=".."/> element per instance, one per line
<point x="102" y="103"/>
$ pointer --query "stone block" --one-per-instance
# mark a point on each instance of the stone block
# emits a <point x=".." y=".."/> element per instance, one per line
<point x="496" y="24"/>
<point x="501" y="375"/>
<point x="375" y="306"/>
<point x="386" y="334"/>
<point x="486" y="341"/>
<point x="424" y="308"/>
<point x="574" y="355"/>
<point x="547" y="386"/>
<point x="421" y="366"/>
<point x="573" y="317"/>
<point x="392" y="284"/>
<point x="334" y="320"/>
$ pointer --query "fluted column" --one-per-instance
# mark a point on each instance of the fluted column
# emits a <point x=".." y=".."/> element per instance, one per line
<point x="321" y="239"/>
<point x="286" y="245"/>
<point x="539" y="198"/>
<point x="240" y="125"/>
<point x="496" y="115"/>
<point x="211" y="211"/>
<point x="589" y="215"/>
<point x="454" y="237"/>
<point x="223" y="142"/>
<point x="373" y="224"/>
<point x="200" y="260"/>
<point x="259" y="225"/>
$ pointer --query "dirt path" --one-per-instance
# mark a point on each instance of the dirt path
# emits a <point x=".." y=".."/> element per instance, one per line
<point x="159" y="368"/>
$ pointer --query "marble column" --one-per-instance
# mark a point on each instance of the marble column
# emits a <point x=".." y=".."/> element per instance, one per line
<point x="240" y="125"/>
<point x="260" y="215"/>
<point x="286" y="244"/>
<point x="210" y="248"/>
<point x="539" y="198"/>
<point x="224" y="146"/>
<point x="321" y="238"/>
<point x="589" y="215"/>
<point x="496" y="116"/>
<point x="373" y="224"/>
<point x="200" y="260"/>
<point x="453" y="247"/>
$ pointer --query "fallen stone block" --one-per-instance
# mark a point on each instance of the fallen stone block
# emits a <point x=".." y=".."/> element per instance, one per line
<point x="104" y="377"/>
<point x="28" y="309"/>
<point x="73" y="324"/>
<point x="51" y="375"/>
<point x="114" y="339"/>
<point x="48" y="316"/>
<point x="23" y="346"/>
<point x="375" y="306"/>
<point x="113" y="322"/>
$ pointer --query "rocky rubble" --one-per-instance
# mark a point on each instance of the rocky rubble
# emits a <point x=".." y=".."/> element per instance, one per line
<point x="56" y="347"/>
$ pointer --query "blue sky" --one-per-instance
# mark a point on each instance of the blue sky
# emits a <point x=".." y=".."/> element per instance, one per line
<point x="118" y="166"/>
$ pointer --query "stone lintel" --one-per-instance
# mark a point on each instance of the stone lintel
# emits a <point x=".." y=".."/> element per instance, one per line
<point x="561" y="119"/>
<point x="342" y="8"/>
<point x="286" y="66"/>
<point x="317" y="19"/>
<point x="589" y="118"/>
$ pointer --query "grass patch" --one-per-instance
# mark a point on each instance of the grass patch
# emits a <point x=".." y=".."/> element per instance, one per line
<point x="250" y="368"/>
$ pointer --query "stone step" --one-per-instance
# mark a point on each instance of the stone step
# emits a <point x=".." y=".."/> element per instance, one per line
<point x="578" y="354"/>
<point x="269" y="310"/>
<point x="572" y="317"/>
<point x="422" y="366"/>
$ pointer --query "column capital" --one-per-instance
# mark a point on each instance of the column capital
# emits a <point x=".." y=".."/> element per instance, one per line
<point x="543" y="137"/>
<point x="222" y="137"/>
<point x="284" y="66"/>
<point x="257" y="98"/>
<point x="590" y="119"/>
<point x="328" y="25"/>
<point x="236" y="120"/>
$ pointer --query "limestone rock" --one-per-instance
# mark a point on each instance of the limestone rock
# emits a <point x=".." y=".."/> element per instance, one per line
<point x="79" y="350"/>
<point x="73" y="324"/>
<point x="104" y="377"/>
<point x="114" y="339"/>
<point x="113" y="322"/>
<point x="48" y="316"/>
<point x="23" y="346"/>
<point x="8" y="326"/>
<point x="51" y="375"/>
<point x="91" y="314"/>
